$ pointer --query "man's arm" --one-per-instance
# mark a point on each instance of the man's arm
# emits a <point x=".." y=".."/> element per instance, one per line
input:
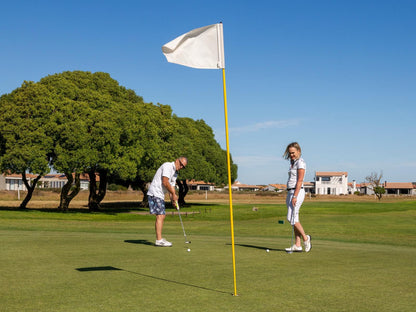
<point x="170" y="188"/>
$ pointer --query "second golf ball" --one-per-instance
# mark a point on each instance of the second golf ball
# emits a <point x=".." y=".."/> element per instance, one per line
<point x="267" y="250"/>
<point x="189" y="249"/>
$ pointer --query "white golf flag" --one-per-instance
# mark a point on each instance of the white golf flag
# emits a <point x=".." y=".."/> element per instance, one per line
<point x="200" y="48"/>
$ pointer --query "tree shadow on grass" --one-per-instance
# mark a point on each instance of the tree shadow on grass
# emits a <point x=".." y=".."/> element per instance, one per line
<point x="18" y="209"/>
<point x="106" y="208"/>
<point x="111" y="268"/>
<point x="134" y="205"/>
<point x="202" y="204"/>
<point x="112" y="208"/>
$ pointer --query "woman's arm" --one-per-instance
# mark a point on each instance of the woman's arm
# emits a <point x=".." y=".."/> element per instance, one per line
<point x="299" y="181"/>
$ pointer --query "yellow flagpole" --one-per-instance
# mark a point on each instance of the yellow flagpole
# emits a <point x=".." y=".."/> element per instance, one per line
<point x="229" y="180"/>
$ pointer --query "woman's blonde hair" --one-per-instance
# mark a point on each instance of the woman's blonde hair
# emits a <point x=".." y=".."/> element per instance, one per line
<point x="293" y="144"/>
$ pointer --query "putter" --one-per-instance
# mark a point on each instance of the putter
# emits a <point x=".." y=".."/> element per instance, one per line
<point x="180" y="218"/>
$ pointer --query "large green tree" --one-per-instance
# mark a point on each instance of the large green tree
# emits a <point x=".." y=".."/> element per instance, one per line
<point x="97" y="130"/>
<point x="26" y="143"/>
<point x="82" y="122"/>
<point x="77" y="122"/>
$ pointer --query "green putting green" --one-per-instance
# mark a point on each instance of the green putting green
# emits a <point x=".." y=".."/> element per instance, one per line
<point x="362" y="259"/>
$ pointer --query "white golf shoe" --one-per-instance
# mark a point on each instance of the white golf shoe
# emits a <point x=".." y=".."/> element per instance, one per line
<point x="294" y="248"/>
<point x="163" y="243"/>
<point x="308" y="244"/>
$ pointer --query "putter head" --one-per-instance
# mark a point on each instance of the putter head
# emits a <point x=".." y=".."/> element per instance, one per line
<point x="187" y="242"/>
<point x="289" y="250"/>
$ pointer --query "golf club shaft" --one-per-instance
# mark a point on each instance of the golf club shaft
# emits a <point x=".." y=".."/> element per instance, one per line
<point x="180" y="218"/>
<point x="183" y="229"/>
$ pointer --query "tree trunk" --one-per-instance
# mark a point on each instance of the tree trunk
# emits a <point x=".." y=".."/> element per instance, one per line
<point x="143" y="187"/>
<point x="66" y="197"/>
<point x="30" y="188"/>
<point x="183" y="190"/>
<point x="97" y="194"/>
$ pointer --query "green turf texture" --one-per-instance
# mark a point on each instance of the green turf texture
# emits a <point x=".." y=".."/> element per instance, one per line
<point x="363" y="259"/>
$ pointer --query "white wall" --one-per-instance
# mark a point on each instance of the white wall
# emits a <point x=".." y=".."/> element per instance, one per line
<point x="333" y="185"/>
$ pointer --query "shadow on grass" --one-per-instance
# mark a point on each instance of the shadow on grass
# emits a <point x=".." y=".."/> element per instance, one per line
<point x="18" y="209"/>
<point x="102" y="268"/>
<point x="139" y="241"/>
<point x="111" y="268"/>
<point x="259" y="247"/>
<point x="111" y="208"/>
<point x="202" y="204"/>
<point x="106" y="208"/>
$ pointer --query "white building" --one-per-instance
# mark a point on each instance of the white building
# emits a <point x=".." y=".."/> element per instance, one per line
<point x="238" y="186"/>
<point x="53" y="181"/>
<point x="353" y="187"/>
<point x="331" y="183"/>
<point x="14" y="182"/>
<point x="200" y="185"/>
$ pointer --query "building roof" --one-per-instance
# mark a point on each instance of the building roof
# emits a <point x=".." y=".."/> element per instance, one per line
<point x="240" y="185"/>
<point x="193" y="182"/>
<point x="399" y="185"/>
<point x="279" y="186"/>
<point x="331" y="173"/>
<point x="16" y="175"/>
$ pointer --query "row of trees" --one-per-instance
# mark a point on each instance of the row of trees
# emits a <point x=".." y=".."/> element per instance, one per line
<point x="81" y="122"/>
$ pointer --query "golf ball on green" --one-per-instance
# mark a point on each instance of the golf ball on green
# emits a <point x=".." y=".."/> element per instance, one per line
<point x="267" y="250"/>
<point x="189" y="249"/>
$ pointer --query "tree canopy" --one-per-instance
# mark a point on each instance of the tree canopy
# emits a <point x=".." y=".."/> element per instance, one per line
<point x="26" y="143"/>
<point x="206" y="160"/>
<point x="97" y="128"/>
<point x="83" y="122"/>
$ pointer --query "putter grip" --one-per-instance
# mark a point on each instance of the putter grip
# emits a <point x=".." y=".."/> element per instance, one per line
<point x="177" y="205"/>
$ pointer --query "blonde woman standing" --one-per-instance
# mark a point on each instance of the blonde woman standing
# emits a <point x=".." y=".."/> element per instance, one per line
<point x="296" y="195"/>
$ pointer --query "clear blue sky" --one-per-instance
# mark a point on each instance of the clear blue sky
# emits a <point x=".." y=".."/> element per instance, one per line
<point x="336" y="76"/>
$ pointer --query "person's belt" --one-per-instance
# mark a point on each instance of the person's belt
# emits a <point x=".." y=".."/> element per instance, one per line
<point x="291" y="189"/>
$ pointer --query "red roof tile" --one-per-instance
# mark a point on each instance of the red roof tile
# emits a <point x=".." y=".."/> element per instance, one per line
<point x="331" y="173"/>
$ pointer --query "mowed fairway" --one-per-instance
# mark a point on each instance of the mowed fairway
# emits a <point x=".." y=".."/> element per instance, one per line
<point x="363" y="259"/>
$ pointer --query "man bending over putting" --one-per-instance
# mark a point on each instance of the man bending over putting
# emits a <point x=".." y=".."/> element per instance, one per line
<point x="162" y="183"/>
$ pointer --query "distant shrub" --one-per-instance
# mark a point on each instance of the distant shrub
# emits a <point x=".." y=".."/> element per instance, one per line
<point x="265" y="193"/>
<point x="116" y="187"/>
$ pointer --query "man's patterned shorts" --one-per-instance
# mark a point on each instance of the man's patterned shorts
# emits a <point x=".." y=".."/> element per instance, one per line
<point x="156" y="205"/>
